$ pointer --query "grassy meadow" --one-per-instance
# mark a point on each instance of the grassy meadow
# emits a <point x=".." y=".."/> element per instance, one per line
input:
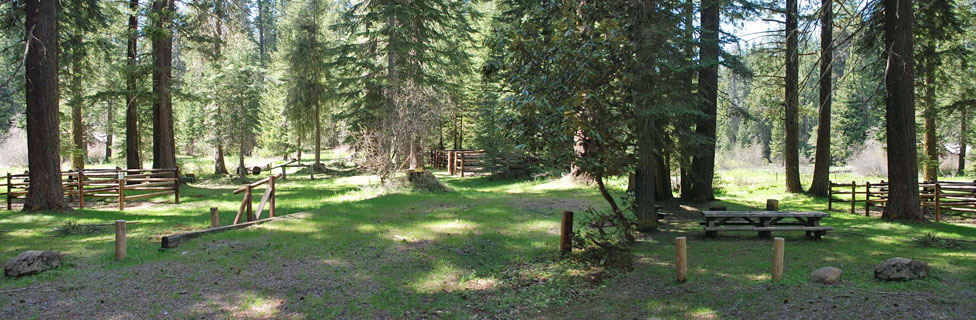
<point x="488" y="249"/>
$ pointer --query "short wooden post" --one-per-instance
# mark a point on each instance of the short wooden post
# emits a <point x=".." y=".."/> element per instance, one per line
<point x="81" y="188"/>
<point x="247" y="201"/>
<point x="121" y="190"/>
<point x="867" y="199"/>
<point x="271" y="184"/>
<point x="214" y="217"/>
<point x="772" y="204"/>
<point x="681" y="262"/>
<point x="853" y="195"/>
<point x="778" y="251"/>
<point x="119" y="239"/>
<point x="566" y="233"/>
<point x="938" y="203"/>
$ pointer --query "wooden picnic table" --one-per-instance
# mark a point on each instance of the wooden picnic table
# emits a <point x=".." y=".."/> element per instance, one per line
<point x="765" y="222"/>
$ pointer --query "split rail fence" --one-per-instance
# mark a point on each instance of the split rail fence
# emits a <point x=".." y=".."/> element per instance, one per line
<point x="957" y="196"/>
<point x="459" y="162"/>
<point x="267" y="199"/>
<point x="121" y="184"/>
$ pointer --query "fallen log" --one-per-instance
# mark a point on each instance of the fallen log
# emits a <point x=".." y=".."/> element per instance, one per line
<point x="176" y="240"/>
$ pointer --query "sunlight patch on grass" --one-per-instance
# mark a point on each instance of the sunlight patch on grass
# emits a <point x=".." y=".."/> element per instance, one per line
<point x="456" y="226"/>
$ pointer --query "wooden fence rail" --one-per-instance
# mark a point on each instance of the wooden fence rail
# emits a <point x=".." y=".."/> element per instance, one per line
<point x="459" y="162"/>
<point x="943" y="195"/>
<point x="104" y="183"/>
<point x="267" y="198"/>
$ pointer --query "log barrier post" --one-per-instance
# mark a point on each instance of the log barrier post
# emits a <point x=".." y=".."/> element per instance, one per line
<point x="772" y="205"/>
<point x="214" y="217"/>
<point x="9" y="187"/>
<point x="938" y="203"/>
<point x="853" y="195"/>
<point x="81" y="188"/>
<point x="681" y="262"/>
<point x="271" y="184"/>
<point x="867" y="199"/>
<point x="121" y="178"/>
<point x="119" y="239"/>
<point x="778" y="252"/>
<point x="247" y="201"/>
<point x="566" y="233"/>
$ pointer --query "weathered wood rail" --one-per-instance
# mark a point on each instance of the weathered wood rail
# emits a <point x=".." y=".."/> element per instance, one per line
<point x="121" y="184"/>
<point x="957" y="196"/>
<point x="459" y="162"/>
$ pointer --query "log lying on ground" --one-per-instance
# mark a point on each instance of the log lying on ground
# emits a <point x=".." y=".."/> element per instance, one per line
<point x="176" y="240"/>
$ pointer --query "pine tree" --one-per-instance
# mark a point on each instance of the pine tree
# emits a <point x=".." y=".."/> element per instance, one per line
<point x="43" y="141"/>
<point x="164" y="143"/>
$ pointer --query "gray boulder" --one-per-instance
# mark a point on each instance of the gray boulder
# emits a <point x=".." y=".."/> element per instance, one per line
<point x="899" y="269"/>
<point x="32" y="262"/>
<point x="826" y="275"/>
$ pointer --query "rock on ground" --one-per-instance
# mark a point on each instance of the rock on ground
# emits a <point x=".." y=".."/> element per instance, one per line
<point x="32" y="262"/>
<point x="898" y="269"/>
<point x="826" y="275"/>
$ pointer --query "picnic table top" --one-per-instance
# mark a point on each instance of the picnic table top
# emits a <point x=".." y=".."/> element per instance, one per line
<point x="765" y="214"/>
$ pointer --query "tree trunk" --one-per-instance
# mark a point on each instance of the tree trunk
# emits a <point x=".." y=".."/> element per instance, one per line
<point x="662" y="179"/>
<point x="318" y="136"/>
<point x="132" y="159"/>
<point x="219" y="166"/>
<point x="648" y="153"/>
<point x="260" y="24"/>
<point x="963" y="127"/>
<point x="821" y="167"/>
<point x="43" y="134"/>
<point x="791" y="148"/>
<point x="298" y="147"/>
<point x="78" y="155"/>
<point x="903" y="199"/>
<point x="164" y="145"/>
<point x="110" y="136"/>
<point x="931" y="140"/>
<point x="241" y="169"/>
<point x="703" y="162"/>
<point x="688" y="79"/>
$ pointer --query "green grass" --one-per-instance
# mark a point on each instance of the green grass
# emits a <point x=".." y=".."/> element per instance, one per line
<point x="488" y="248"/>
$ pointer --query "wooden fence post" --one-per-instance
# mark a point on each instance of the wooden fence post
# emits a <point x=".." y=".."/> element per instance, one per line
<point x="681" y="263"/>
<point x="778" y="252"/>
<point x="214" y="217"/>
<point x="119" y="239"/>
<point x="566" y="233"/>
<point x="853" y="195"/>
<point x="81" y="188"/>
<point x="772" y="205"/>
<point x="938" y="203"/>
<point x="247" y="200"/>
<point x="9" y="187"/>
<point x="121" y="190"/>
<point x="461" y="157"/>
<point x="271" y="184"/>
<point x="830" y="196"/>
<point x="867" y="199"/>
<point x="176" y="192"/>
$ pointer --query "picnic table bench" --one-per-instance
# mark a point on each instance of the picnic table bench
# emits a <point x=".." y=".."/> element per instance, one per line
<point x="765" y="222"/>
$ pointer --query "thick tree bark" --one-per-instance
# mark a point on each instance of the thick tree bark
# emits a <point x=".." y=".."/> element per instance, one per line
<point x="791" y="148"/>
<point x="164" y="145"/>
<point x="931" y="139"/>
<point x="963" y="127"/>
<point x="43" y="140"/>
<point x="662" y="179"/>
<point x="688" y="79"/>
<point x="903" y="199"/>
<point x="132" y="158"/>
<point x="821" y="167"/>
<point x="80" y="151"/>
<point x="703" y="162"/>
<point x="648" y="155"/>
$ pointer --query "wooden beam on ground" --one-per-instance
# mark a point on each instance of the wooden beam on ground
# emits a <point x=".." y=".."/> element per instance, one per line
<point x="176" y="240"/>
